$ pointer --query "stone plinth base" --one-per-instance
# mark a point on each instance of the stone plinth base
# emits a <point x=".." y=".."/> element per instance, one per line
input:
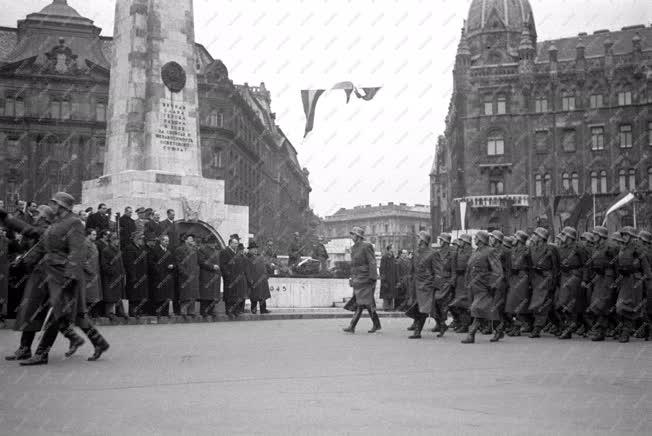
<point x="295" y="292"/>
<point x="192" y="198"/>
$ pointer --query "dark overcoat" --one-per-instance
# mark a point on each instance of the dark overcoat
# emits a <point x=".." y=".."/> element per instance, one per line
<point x="98" y="221"/>
<point x="188" y="272"/>
<point x="545" y="270"/>
<point x="169" y="228"/>
<point x="127" y="228"/>
<point x="603" y="264"/>
<point x="571" y="296"/>
<point x="113" y="274"/>
<point x="257" y="278"/>
<point x="424" y="279"/>
<point x="500" y="292"/>
<point x="4" y="275"/>
<point x="152" y="230"/>
<point x="210" y="282"/>
<point x="519" y="292"/>
<point x="34" y="304"/>
<point x="404" y="278"/>
<point x="92" y="273"/>
<point x="364" y="273"/>
<point x="388" y="277"/>
<point x="444" y="273"/>
<point x="631" y="266"/>
<point x="162" y="271"/>
<point x="135" y="262"/>
<point x="647" y="252"/>
<point x="483" y="272"/>
<point x="460" y="261"/>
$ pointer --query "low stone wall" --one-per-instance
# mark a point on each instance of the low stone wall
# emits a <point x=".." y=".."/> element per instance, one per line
<point x="310" y="292"/>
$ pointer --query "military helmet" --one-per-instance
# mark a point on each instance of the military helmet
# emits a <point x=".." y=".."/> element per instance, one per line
<point x="629" y="230"/>
<point x="588" y="236"/>
<point x="424" y="236"/>
<point x="570" y="232"/>
<point x="645" y="236"/>
<point x="445" y="237"/>
<point x="522" y="236"/>
<point x="616" y="236"/>
<point x="483" y="237"/>
<point x="466" y="238"/>
<point x="64" y="200"/>
<point x="497" y="234"/>
<point x="542" y="233"/>
<point x="601" y="232"/>
<point x="509" y="241"/>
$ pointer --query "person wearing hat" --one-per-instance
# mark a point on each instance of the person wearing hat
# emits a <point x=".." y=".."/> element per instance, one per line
<point x="570" y="299"/>
<point x="461" y="302"/>
<point x="545" y="270"/>
<point x="645" y="239"/>
<point x="135" y="263"/>
<point x="126" y="227"/>
<point x="364" y="274"/>
<point x="319" y="253"/>
<point x="210" y="279"/>
<point x="603" y="296"/>
<point x="483" y="274"/>
<point x="631" y="265"/>
<point x="230" y="274"/>
<point x="294" y="251"/>
<point x="187" y="262"/>
<point x="498" y="318"/>
<point x="587" y="241"/>
<point x="161" y="271"/>
<point x="153" y="229"/>
<point x="257" y="279"/>
<point x="424" y="284"/>
<point x="404" y="280"/>
<point x="63" y="247"/>
<point x="444" y="283"/>
<point x="518" y="291"/>
<point x="388" y="278"/>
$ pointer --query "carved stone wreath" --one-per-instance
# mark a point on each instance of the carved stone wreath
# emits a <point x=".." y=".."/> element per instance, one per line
<point x="174" y="76"/>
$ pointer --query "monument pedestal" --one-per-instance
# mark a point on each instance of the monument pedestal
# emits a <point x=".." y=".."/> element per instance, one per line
<point x="192" y="197"/>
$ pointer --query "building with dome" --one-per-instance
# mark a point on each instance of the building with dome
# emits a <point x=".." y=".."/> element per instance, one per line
<point x="533" y="125"/>
<point x="54" y="81"/>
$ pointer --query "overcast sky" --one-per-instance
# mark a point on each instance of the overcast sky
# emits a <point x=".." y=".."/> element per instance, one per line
<point x="363" y="152"/>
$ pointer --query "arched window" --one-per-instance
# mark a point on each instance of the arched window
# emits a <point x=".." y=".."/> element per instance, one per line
<point x="495" y="144"/>
<point x="547" y="179"/>
<point x="213" y="119"/>
<point x="575" y="183"/>
<point x="565" y="182"/>
<point x="622" y="180"/>
<point x="594" y="182"/>
<point x="603" y="181"/>
<point x="631" y="175"/>
<point x="538" y="186"/>
<point x="100" y="112"/>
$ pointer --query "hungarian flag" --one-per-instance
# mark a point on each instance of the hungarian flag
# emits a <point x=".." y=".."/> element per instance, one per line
<point x="623" y="199"/>
<point x="583" y="206"/>
<point x="310" y="97"/>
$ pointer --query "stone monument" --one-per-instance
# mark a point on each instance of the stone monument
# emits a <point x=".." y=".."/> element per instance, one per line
<point x="153" y="154"/>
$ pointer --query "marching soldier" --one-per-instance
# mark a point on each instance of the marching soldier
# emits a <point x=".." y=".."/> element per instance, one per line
<point x="424" y="284"/>
<point x="570" y="300"/>
<point x="497" y="242"/>
<point x="462" y="300"/>
<point x="646" y="247"/>
<point x="444" y="283"/>
<point x="364" y="275"/>
<point x="603" y="298"/>
<point x="404" y="274"/>
<point x="518" y="292"/>
<point x="545" y="267"/>
<point x="631" y="266"/>
<point x="587" y="240"/>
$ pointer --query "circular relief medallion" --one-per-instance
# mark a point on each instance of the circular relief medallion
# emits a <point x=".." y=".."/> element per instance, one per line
<point x="174" y="76"/>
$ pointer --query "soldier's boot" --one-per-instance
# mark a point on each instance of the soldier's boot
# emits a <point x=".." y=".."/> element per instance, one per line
<point x="486" y="328"/>
<point x="499" y="333"/>
<point x="376" y="321"/>
<point x="625" y="332"/>
<point x="40" y="357"/>
<point x="76" y="341"/>
<point x="442" y="329"/>
<point x="263" y="307"/>
<point x="642" y="331"/>
<point x="98" y="341"/>
<point x="535" y="333"/>
<point x="22" y="353"/>
<point x="354" y="321"/>
<point x="581" y="330"/>
<point x="526" y="328"/>
<point x="254" y="307"/>
<point x="470" y="337"/>
<point x="417" y="330"/>
<point x="413" y="326"/>
<point x="567" y="332"/>
<point x="598" y="333"/>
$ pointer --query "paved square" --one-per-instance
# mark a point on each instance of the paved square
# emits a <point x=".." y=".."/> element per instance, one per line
<point x="308" y="377"/>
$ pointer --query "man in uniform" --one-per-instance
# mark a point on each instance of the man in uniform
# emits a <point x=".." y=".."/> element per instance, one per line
<point x="462" y="301"/>
<point x="135" y="263"/>
<point x="294" y="252"/>
<point x="545" y="268"/>
<point x="444" y="283"/>
<point x="587" y="240"/>
<point x="603" y="295"/>
<point x="388" y="279"/>
<point x="645" y="238"/>
<point x="424" y="283"/>
<point x="498" y="318"/>
<point x="570" y="298"/>
<point x="363" y="280"/>
<point x="518" y="293"/>
<point x="319" y="253"/>
<point x="168" y="227"/>
<point x="161" y="271"/>
<point x="188" y="275"/>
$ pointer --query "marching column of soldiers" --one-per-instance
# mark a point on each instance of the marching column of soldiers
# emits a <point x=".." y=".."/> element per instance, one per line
<point x="592" y="285"/>
<point x="59" y="273"/>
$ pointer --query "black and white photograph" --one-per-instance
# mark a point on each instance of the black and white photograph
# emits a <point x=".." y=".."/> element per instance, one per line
<point x="325" y="217"/>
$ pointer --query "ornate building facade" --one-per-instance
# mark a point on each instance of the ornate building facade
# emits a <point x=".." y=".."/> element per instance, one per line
<point x="533" y="125"/>
<point x="54" y="79"/>
<point x="396" y="224"/>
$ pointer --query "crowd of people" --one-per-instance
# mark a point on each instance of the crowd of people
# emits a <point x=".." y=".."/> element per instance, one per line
<point x="594" y="284"/>
<point x="85" y="266"/>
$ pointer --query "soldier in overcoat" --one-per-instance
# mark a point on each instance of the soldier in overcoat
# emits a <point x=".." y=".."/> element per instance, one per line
<point x="161" y="272"/>
<point x="646" y="248"/>
<point x="483" y="274"/>
<point x="570" y="300"/>
<point x="545" y="270"/>
<point x="603" y="296"/>
<point x="444" y="283"/>
<point x="499" y="320"/>
<point x="519" y="292"/>
<point x="4" y="275"/>
<point x="187" y="263"/>
<point x="462" y="300"/>
<point x="364" y="274"/>
<point x="257" y="279"/>
<point x="210" y="282"/>
<point x="424" y="283"/>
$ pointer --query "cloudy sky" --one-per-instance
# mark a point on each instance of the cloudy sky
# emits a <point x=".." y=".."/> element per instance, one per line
<point x="363" y="152"/>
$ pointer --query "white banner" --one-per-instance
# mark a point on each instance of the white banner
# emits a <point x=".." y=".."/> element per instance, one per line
<point x="617" y="205"/>
<point x="463" y="215"/>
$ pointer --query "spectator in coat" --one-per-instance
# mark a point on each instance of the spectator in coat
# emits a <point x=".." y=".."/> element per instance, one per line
<point x="113" y="278"/>
<point x="188" y="275"/>
<point x="161" y="276"/>
<point x="153" y="229"/>
<point x="229" y="274"/>
<point x="319" y="253"/>
<point x="168" y="227"/>
<point x="135" y="262"/>
<point x="209" y="277"/>
<point x="99" y="220"/>
<point x="127" y="227"/>
<point x="388" y="279"/>
<point x="257" y="280"/>
<point x="92" y="273"/>
<point x="403" y="280"/>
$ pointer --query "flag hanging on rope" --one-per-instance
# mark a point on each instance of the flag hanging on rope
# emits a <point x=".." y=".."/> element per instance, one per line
<point x="623" y="200"/>
<point x="310" y="97"/>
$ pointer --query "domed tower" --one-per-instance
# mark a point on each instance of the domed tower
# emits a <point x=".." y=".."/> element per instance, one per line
<point x="494" y="30"/>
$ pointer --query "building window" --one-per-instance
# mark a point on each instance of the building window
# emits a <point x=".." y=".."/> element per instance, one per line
<point x="488" y="106"/>
<point x="568" y="140"/>
<point x="501" y="107"/>
<point x="565" y="182"/>
<point x="594" y="182"/>
<point x="547" y="183"/>
<point x="496" y="187"/>
<point x="216" y="158"/>
<point x="625" y="136"/>
<point x="541" y="105"/>
<point x="603" y="181"/>
<point x="596" y="101"/>
<point x="568" y="101"/>
<point x="13" y="147"/>
<point x="541" y="140"/>
<point x="55" y="109"/>
<point x="632" y="179"/>
<point x="13" y="107"/>
<point x="100" y="112"/>
<point x="575" y="183"/>
<point x="622" y="180"/>
<point x="597" y="138"/>
<point x="65" y="109"/>
<point x="624" y="98"/>
<point x="495" y="144"/>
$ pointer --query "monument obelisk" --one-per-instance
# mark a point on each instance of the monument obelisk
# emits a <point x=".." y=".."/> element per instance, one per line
<point x="153" y="154"/>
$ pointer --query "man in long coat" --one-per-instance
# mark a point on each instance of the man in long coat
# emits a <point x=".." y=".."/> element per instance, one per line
<point x="135" y="262"/>
<point x="209" y="278"/>
<point x="364" y="275"/>
<point x="99" y="220"/>
<point x="257" y="279"/>
<point x="153" y="228"/>
<point x="231" y="277"/>
<point x="188" y="275"/>
<point x="444" y="283"/>
<point x="113" y="278"/>
<point x="92" y="273"/>
<point x="518" y="291"/>
<point x="161" y="271"/>
<point x="498" y="318"/>
<point x="388" y="279"/>
<point x="424" y="283"/>
<point x="603" y="295"/>
<point x="127" y="227"/>
<point x="483" y="274"/>
<point x="461" y="303"/>
<point x="4" y="275"/>
<point x="570" y="300"/>
<point x="646" y="248"/>
<point x="168" y="227"/>
<point x="403" y="279"/>
<point x="545" y="275"/>
<point x="631" y="266"/>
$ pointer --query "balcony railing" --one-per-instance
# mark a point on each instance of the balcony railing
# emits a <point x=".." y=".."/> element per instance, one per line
<point x="496" y="201"/>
